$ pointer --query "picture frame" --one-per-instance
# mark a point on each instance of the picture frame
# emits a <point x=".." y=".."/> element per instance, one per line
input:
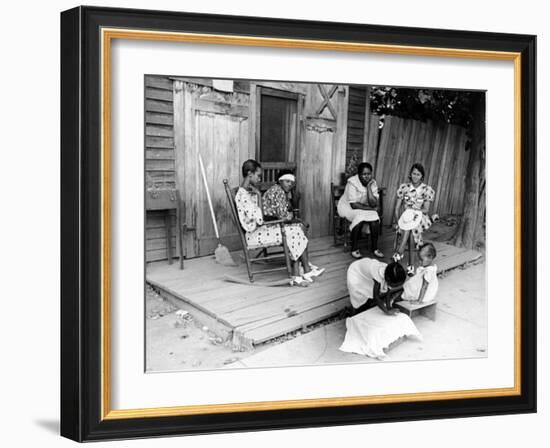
<point x="86" y="36"/>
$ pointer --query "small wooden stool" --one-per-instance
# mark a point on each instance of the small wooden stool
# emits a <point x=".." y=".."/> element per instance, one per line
<point x="427" y="309"/>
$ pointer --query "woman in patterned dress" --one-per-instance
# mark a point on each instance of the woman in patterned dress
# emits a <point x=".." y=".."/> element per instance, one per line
<point x="260" y="234"/>
<point x="280" y="202"/>
<point x="414" y="195"/>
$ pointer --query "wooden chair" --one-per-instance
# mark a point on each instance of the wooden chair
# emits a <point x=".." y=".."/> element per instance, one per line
<point x="264" y="255"/>
<point x="340" y="226"/>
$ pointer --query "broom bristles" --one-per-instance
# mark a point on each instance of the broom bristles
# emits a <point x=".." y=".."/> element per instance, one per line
<point x="223" y="256"/>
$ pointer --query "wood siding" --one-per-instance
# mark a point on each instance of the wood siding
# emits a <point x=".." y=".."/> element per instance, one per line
<point x="159" y="159"/>
<point x="440" y="148"/>
<point x="356" y="123"/>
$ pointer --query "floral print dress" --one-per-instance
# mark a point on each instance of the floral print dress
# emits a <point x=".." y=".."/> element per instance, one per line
<point x="414" y="197"/>
<point x="276" y="204"/>
<point x="259" y="234"/>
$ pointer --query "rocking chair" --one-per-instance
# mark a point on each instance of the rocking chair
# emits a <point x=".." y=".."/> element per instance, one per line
<point x="248" y="252"/>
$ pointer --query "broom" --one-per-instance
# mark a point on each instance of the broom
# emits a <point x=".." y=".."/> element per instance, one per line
<point x="221" y="253"/>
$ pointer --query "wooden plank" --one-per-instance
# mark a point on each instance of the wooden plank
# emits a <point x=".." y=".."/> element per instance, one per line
<point x="186" y="162"/>
<point x="159" y="131"/>
<point x="159" y="165"/>
<point x="217" y="292"/>
<point x="286" y="87"/>
<point x="162" y="154"/>
<point x="355" y="132"/>
<point x="158" y="243"/>
<point x="157" y="94"/>
<point x="355" y="122"/>
<point x="218" y="107"/>
<point x="288" y="324"/>
<point x="287" y="311"/>
<point x="354" y="140"/>
<point x="159" y="106"/>
<point x="158" y="118"/>
<point x="159" y="142"/>
<point x="372" y="136"/>
<point x="152" y="233"/>
<point x="358" y="108"/>
<point x="293" y="303"/>
<point x="338" y="151"/>
<point x="158" y="82"/>
<point x="155" y="255"/>
<point x="270" y="294"/>
<point x="234" y="305"/>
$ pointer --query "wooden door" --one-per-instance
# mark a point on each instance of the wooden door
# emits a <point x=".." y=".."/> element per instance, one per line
<point x="214" y="125"/>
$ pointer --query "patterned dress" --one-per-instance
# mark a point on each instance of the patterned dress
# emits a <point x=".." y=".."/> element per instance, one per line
<point x="276" y="204"/>
<point x="414" y="197"/>
<point x="259" y="234"/>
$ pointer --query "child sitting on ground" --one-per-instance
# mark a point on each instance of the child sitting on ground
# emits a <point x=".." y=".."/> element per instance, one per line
<point x="422" y="286"/>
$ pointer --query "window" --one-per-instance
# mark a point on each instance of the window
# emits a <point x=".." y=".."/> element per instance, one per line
<point x="278" y="126"/>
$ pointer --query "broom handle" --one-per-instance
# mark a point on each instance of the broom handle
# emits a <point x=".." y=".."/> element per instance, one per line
<point x="209" y="199"/>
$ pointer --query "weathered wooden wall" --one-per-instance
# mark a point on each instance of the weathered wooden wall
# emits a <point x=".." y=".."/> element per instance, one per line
<point x="440" y="148"/>
<point x="356" y="123"/>
<point x="159" y="158"/>
<point x="322" y="153"/>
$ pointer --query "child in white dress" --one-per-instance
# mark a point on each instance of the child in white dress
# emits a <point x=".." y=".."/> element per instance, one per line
<point x="422" y="286"/>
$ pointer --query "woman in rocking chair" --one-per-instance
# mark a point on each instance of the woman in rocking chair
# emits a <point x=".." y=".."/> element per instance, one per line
<point x="259" y="234"/>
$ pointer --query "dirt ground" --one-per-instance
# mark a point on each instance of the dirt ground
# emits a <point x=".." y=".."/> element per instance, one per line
<point x="177" y="342"/>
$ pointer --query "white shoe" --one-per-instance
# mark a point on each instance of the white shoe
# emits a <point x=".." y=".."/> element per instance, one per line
<point x="410" y="270"/>
<point x="378" y="253"/>
<point x="397" y="257"/>
<point x="307" y="277"/>
<point x="313" y="273"/>
<point x="299" y="281"/>
<point x="356" y="254"/>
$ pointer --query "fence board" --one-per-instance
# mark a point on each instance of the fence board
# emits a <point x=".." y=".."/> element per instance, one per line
<point x="438" y="147"/>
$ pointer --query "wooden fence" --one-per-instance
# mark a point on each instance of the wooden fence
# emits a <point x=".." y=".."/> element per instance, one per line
<point x="440" y="148"/>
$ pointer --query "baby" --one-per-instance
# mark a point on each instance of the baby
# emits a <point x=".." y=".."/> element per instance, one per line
<point x="422" y="286"/>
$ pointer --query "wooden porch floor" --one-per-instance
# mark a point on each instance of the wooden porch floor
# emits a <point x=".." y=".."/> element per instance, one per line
<point x="251" y="314"/>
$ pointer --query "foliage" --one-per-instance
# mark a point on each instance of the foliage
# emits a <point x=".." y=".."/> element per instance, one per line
<point x="449" y="106"/>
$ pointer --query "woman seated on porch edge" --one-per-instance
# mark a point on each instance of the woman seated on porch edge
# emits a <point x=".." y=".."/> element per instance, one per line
<point x="359" y="205"/>
<point x="259" y="234"/>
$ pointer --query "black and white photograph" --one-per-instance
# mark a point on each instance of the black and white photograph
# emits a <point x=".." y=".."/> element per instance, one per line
<point x="295" y="224"/>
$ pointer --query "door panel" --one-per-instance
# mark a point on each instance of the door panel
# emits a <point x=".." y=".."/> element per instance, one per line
<point x="314" y="179"/>
<point x="216" y="127"/>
